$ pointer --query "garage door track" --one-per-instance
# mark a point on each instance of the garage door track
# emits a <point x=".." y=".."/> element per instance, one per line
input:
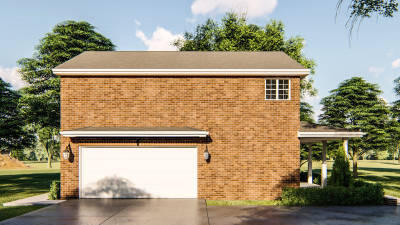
<point x="119" y="211"/>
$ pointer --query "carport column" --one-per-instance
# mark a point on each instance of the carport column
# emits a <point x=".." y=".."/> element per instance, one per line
<point x="346" y="147"/>
<point x="324" y="168"/>
<point x="309" y="164"/>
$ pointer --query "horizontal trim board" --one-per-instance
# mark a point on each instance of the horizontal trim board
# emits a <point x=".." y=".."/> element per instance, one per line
<point x="183" y="72"/>
<point x="134" y="133"/>
<point x="330" y="134"/>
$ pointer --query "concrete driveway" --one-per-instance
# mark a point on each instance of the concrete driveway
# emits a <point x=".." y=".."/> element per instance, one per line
<point x="119" y="211"/>
<point x="333" y="215"/>
<point x="195" y="212"/>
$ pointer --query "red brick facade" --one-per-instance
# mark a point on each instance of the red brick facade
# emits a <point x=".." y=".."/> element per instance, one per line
<point x="253" y="142"/>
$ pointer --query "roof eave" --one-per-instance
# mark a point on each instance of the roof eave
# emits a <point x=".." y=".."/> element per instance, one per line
<point x="134" y="133"/>
<point x="347" y="134"/>
<point x="182" y="72"/>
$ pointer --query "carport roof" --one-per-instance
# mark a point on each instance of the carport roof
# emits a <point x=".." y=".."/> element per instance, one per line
<point x="310" y="132"/>
<point x="134" y="132"/>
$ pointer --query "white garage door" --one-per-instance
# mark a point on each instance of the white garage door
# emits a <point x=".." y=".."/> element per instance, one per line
<point x="121" y="172"/>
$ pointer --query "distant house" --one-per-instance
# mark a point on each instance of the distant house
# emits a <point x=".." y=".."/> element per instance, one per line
<point x="215" y="125"/>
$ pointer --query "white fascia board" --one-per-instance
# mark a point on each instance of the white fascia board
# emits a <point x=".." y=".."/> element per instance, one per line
<point x="220" y="72"/>
<point x="134" y="133"/>
<point x="348" y="134"/>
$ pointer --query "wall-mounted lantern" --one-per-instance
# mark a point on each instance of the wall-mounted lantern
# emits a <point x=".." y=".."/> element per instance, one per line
<point x="67" y="152"/>
<point x="206" y="154"/>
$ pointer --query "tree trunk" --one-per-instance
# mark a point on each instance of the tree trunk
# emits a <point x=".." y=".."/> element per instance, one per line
<point x="355" y="158"/>
<point x="49" y="156"/>
<point x="398" y="152"/>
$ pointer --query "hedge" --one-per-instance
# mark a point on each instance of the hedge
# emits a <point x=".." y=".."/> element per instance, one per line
<point x="360" y="193"/>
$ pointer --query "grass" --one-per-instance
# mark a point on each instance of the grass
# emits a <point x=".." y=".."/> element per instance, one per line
<point x="22" y="183"/>
<point x="385" y="172"/>
<point x="240" y="202"/>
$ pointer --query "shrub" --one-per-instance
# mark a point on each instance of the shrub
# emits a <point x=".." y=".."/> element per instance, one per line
<point x="361" y="193"/>
<point x="54" y="190"/>
<point x="340" y="175"/>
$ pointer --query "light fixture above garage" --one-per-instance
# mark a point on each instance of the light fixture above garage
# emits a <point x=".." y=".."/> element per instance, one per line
<point x="206" y="154"/>
<point x="67" y="152"/>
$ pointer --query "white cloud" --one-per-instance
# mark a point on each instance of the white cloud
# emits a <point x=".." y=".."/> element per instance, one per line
<point x="161" y="39"/>
<point x="12" y="76"/>
<point x="252" y="8"/>
<point x="396" y="63"/>
<point x="137" y="22"/>
<point x="376" y="71"/>
<point x="311" y="99"/>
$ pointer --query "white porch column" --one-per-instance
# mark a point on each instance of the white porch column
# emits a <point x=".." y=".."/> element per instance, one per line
<point x="309" y="165"/>
<point x="324" y="168"/>
<point x="346" y="147"/>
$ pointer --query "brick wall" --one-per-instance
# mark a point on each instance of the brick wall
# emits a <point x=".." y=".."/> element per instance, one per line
<point x="254" y="144"/>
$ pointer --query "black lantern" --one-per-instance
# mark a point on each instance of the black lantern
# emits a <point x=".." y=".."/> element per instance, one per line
<point x="67" y="152"/>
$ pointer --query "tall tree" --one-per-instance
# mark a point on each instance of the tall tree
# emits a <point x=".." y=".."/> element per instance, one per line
<point x="235" y="34"/>
<point x="14" y="135"/>
<point x="48" y="139"/>
<point x="306" y="112"/>
<point x="396" y="115"/>
<point x="41" y="99"/>
<point x="355" y="104"/>
<point x="393" y="129"/>
<point x="361" y="9"/>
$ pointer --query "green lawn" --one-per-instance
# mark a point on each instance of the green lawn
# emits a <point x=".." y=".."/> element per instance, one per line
<point x="17" y="184"/>
<point x="386" y="172"/>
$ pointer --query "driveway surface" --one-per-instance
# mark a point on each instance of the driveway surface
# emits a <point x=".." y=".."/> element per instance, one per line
<point x="333" y="215"/>
<point x="195" y="212"/>
<point x="118" y="211"/>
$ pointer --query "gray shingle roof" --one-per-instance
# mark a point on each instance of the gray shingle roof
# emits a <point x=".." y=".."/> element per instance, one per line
<point x="180" y="60"/>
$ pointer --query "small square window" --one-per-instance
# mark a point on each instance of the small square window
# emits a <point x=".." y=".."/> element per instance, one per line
<point x="277" y="89"/>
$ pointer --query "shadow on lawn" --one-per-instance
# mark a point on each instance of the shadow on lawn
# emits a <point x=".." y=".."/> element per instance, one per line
<point x="25" y="184"/>
<point x="376" y="169"/>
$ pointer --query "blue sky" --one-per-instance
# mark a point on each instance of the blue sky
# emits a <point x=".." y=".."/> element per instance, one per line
<point x="374" y="52"/>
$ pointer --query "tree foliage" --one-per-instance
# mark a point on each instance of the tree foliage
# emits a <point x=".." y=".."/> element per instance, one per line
<point x="306" y="112"/>
<point x="360" y="9"/>
<point x="235" y="34"/>
<point x="41" y="99"/>
<point x="14" y="134"/>
<point x="394" y="124"/>
<point x="48" y="139"/>
<point x="340" y="175"/>
<point x="355" y="104"/>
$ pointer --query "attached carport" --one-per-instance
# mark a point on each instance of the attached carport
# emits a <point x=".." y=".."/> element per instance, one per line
<point x="310" y="133"/>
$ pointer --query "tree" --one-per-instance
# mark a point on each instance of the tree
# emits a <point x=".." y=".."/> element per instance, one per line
<point x="234" y="34"/>
<point x="361" y="9"/>
<point x="394" y="124"/>
<point x="14" y="135"/>
<point x="340" y="175"/>
<point x="41" y="99"/>
<point x="306" y="112"/>
<point x="48" y="139"/>
<point x="355" y="104"/>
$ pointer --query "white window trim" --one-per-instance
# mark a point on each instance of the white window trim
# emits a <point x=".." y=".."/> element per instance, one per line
<point x="277" y="90"/>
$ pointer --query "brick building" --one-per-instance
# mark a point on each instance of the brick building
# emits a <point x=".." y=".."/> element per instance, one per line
<point x="215" y="125"/>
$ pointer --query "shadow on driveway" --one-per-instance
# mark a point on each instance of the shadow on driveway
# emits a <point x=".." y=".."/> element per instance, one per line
<point x="333" y="215"/>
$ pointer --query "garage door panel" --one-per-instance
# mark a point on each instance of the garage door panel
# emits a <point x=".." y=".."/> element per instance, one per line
<point x="138" y="172"/>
